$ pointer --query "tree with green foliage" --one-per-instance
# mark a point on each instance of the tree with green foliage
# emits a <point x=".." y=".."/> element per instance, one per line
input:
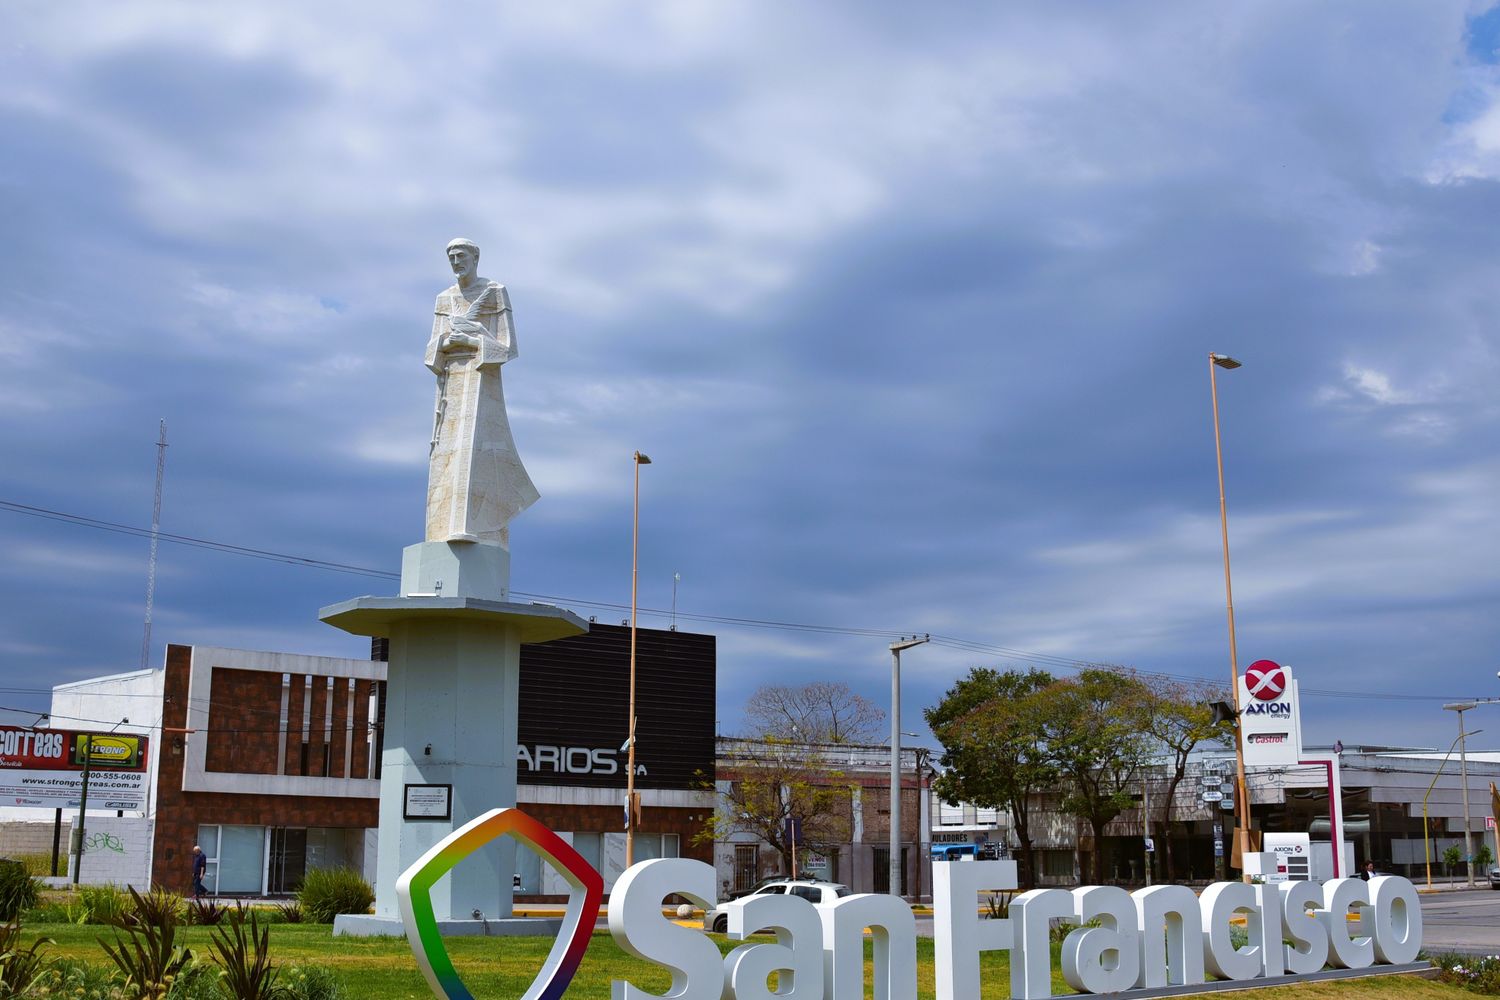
<point x="1176" y="716"/>
<point x="764" y="783"/>
<point x="1094" y="729"/>
<point x="1452" y="855"/>
<point x="990" y="725"/>
<point x="1483" y="858"/>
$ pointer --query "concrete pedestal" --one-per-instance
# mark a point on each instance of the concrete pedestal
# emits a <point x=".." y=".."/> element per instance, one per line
<point x="450" y="719"/>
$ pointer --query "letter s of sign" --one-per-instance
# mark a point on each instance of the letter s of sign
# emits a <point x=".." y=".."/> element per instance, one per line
<point x="604" y="761"/>
<point x="638" y="927"/>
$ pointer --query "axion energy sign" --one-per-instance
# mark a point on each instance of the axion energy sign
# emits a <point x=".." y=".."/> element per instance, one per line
<point x="45" y="767"/>
<point x="1156" y="937"/>
<point x="1270" y="714"/>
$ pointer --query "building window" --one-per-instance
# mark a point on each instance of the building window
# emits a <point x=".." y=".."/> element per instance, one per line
<point x="950" y="814"/>
<point x="1057" y="864"/>
<point x="745" y="870"/>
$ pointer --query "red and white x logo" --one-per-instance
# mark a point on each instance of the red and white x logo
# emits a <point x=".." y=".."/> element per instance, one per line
<point x="1266" y="679"/>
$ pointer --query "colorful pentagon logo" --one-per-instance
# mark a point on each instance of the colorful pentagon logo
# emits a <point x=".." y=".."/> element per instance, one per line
<point x="414" y="896"/>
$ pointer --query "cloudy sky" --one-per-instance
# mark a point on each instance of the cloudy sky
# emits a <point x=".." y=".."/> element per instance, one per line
<point x="911" y="306"/>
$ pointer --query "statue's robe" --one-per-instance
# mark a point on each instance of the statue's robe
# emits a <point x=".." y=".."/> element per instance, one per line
<point x="475" y="480"/>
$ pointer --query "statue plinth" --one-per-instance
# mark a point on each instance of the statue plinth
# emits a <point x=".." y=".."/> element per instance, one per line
<point x="450" y="719"/>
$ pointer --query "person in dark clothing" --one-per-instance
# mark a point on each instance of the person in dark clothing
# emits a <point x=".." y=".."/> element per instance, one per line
<point x="1369" y="871"/>
<point x="200" y="865"/>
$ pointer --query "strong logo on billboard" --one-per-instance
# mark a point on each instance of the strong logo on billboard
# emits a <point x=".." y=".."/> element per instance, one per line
<point x="414" y="897"/>
<point x="1265" y="679"/>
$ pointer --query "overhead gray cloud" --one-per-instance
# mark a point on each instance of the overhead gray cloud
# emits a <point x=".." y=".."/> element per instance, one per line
<point x="910" y="308"/>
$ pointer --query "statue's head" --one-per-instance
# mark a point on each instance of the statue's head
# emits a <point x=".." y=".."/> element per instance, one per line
<point x="463" y="256"/>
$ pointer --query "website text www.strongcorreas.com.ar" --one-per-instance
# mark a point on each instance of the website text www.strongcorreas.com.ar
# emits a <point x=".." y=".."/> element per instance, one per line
<point x="93" y="781"/>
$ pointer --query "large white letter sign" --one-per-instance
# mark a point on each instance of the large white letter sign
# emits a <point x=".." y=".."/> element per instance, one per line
<point x="1219" y="902"/>
<point x="1343" y="951"/>
<point x="1398" y="919"/>
<point x="1308" y="950"/>
<point x="1031" y="916"/>
<point x="1169" y="912"/>
<point x="797" y="954"/>
<point x="638" y="927"/>
<point x="958" y="933"/>
<point x="1266" y="930"/>
<point x="893" y="929"/>
<point x="1102" y="959"/>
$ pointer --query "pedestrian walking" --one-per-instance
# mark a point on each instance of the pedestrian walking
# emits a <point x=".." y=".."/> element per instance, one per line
<point x="200" y="866"/>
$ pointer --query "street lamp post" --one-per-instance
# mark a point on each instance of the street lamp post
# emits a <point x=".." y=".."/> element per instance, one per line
<point x="632" y="807"/>
<point x="1463" y="769"/>
<point x="1426" y="836"/>
<point x="896" y="887"/>
<point x="1242" y="796"/>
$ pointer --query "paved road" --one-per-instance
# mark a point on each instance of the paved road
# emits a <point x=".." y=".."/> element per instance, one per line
<point x="1462" y="920"/>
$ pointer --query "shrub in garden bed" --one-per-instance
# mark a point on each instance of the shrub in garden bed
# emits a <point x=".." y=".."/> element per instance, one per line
<point x="313" y="982"/>
<point x="102" y="904"/>
<point x="1479" y="974"/>
<point x="76" y="979"/>
<point x="326" y="893"/>
<point x="19" y="891"/>
<point x="19" y="967"/>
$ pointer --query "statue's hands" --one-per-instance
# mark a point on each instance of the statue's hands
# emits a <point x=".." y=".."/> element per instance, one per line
<point x="458" y="339"/>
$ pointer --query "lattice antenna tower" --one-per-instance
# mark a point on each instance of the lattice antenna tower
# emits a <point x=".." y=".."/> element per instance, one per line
<point x="161" y="468"/>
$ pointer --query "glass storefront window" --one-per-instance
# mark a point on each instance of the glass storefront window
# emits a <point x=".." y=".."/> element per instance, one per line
<point x="242" y="859"/>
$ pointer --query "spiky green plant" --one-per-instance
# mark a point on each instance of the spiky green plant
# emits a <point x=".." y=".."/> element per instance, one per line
<point x="242" y="947"/>
<point x="19" y="967"/>
<point x="147" y="955"/>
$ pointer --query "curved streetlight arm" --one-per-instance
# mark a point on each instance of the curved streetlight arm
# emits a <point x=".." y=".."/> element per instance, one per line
<point x="1426" y="838"/>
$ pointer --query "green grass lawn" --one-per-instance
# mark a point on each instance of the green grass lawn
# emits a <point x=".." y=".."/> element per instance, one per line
<point x="502" y="968"/>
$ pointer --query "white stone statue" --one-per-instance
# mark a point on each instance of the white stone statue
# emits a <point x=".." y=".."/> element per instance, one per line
<point x="475" y="481"/>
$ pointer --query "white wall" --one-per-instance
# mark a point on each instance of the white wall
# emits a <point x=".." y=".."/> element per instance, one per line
<point x="117" y="851"/>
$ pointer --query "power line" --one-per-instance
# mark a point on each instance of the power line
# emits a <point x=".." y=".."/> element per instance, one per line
<point x="949" y="642"/>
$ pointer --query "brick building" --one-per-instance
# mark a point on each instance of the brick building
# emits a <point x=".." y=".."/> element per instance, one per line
<point x="858" y="813"/>
<point x="271" y="761"/>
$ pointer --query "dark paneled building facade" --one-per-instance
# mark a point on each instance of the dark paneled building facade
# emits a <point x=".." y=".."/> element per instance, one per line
<point x="271" y="761"/>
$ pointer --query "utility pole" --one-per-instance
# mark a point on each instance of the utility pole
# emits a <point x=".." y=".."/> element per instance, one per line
<point x="895" y="888"/>
<point x="83" y="808"/>
<point x="161" y="468"/>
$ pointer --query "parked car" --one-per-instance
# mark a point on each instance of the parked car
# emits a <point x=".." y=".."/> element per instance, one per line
<point x="1495" y="878"/>
<point x="762" y="885"/>
<point x="814" y="891"/>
